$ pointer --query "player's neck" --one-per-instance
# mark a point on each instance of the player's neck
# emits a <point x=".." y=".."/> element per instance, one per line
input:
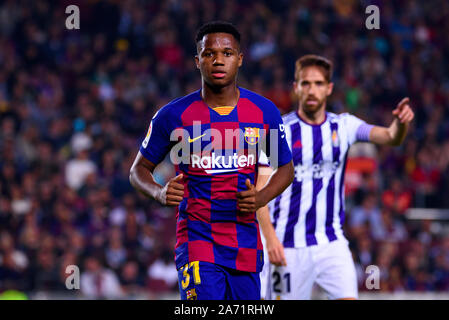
<point x="217" y="97"/>
<point x="314" y="118"/>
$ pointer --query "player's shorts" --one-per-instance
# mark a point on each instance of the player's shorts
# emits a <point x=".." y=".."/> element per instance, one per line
<point x="201" y="280"/>
<point x="329" y="265"/>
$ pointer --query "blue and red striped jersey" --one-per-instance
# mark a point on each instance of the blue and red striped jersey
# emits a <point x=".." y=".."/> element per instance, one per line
<point x="216" y="150"/>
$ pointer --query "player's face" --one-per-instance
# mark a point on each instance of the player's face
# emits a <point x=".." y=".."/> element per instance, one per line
<point x="219" y="59"/>
<point x="312" y="89"/>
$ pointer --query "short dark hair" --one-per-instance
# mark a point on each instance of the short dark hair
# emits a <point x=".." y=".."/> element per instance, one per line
<point x="215" y="27"/>
<point x="314" y="60"/>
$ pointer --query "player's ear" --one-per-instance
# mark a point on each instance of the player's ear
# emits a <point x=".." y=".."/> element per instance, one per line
<point x="330" y="87"/>
<point x="295" y="87"/>
<point x="240" y="59"/>
<point x="197" y="61"/>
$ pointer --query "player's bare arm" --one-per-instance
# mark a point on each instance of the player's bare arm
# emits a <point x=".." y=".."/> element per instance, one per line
<point x="395" y="134"/>
<point x="274" y="247"/>
<point x="250" y="200"/>
<point x="141" y="178"/>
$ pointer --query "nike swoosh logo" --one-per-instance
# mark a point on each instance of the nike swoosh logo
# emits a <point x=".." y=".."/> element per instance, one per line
<point x="221" y="171"/>
<point x="194" y="139"/>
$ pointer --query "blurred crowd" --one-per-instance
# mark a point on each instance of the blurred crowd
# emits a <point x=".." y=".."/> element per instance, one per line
<point x="75" y="105"/>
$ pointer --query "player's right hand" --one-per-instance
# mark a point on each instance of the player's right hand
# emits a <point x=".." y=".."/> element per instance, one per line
<point x="275" y="251"/>
<point x="173" y="192"/>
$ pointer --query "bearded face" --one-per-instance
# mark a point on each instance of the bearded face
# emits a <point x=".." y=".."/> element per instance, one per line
<point x="312" y="89"/>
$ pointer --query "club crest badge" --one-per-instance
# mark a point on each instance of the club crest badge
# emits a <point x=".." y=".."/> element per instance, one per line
<point x="335" y="140"/>
<point x="252" y="135"/>
<point x="191" y="294"/>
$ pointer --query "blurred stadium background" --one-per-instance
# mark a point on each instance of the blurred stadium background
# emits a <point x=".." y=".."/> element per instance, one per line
<point x="75" y="104"/>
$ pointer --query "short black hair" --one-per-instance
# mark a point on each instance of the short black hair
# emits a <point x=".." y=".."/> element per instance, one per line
<point x="215" y="27"/>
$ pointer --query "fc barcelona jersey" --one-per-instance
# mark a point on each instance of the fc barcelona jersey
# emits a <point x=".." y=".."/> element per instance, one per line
<point x="216" y="150"/>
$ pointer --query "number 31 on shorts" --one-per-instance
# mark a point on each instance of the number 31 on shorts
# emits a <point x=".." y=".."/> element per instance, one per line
<point x="195" y="267"/>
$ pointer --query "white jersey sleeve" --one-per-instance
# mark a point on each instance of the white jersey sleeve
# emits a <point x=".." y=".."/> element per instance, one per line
<point x="357" y="129"/>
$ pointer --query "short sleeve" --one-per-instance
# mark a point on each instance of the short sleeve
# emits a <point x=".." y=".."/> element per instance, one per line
<point x="358" y="130"/>
<point x="277" y="149"/>
<point x="157" y="142"/>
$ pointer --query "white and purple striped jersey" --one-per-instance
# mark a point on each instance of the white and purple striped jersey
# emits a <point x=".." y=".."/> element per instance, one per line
<point x="311" y="210"/>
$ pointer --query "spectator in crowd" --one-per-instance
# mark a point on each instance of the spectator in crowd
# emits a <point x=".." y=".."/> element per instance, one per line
<point x="131" y="279"/>
<point x="98" y="282"/>
<point x="368" y="213"/>
<point x="79" y="168"/>
<point x="389" y="228"/>
<point x="162" y="273"/>
<point x="397" y="198"/>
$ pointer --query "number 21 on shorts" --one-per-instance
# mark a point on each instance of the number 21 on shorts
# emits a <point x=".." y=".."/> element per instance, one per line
<point x="281" y="282"/>
<point x="195" y="267"/>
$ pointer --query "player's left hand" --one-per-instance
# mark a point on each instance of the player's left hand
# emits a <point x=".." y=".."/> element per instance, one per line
<point x="247" y="200"/>
<point x="403" y="112"/>
<point x="275" y="250"/>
